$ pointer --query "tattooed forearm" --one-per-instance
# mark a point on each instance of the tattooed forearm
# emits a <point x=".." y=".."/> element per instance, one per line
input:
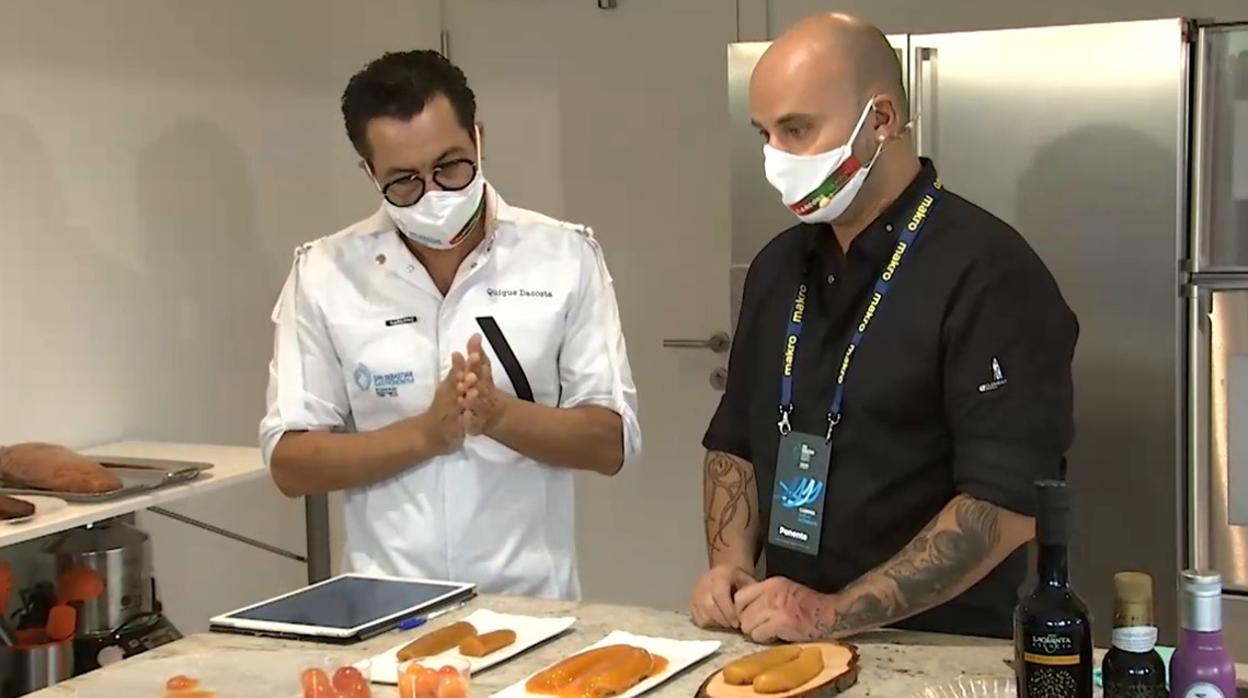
<point x="730" y="500"/>
<point x="963" y="541"/>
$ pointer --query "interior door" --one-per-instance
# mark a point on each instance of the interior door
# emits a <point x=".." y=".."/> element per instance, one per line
<point x="1075" y="136"/>
<point x="614" y="118"/>
<point x="1220" y="156"/>
<point x="757" y="214"/>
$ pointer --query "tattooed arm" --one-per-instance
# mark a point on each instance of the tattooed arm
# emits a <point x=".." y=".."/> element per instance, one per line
<point x="730" y="510"/>
<point x="966" y="541"/>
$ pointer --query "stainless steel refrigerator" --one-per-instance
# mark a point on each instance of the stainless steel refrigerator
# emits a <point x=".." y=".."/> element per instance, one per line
<point x="1120" y="152"/>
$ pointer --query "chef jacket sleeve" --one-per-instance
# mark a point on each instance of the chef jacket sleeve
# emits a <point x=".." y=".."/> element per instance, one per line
<point x="1009" y="342"/>
<point x="593" y="360"/>
<point x="306" y="390"/>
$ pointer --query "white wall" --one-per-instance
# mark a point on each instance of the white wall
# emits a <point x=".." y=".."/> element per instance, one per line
<point x="159" y="161"/>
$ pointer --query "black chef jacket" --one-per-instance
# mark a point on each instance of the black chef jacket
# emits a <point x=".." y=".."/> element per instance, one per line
<point x="962" y="384"/>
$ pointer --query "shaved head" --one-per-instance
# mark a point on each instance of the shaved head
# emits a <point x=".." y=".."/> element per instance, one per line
<point x="823" y="70"/>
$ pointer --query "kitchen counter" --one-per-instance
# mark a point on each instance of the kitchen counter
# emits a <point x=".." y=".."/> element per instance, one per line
<point x="893" y="664"/>
<point x="231" y="466"/>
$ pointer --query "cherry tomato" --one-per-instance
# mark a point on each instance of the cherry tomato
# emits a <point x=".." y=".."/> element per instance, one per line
<point x="407" y="684"/>
<point x="350" y="683"/>
<point x="452" y="686"/>
<point x="427" y="684"/>
<point x="316" y="684"/>
<point x="181" y="683"/>
<point x="355" y="690"/>
<point x="347" y="676"/>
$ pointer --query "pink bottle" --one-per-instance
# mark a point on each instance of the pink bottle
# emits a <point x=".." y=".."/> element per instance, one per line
<point x="1201" y="666"/>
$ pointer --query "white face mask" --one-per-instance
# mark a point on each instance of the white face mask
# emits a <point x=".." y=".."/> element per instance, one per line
<point x="442" y="219"/>
<point x="819" y="188"/>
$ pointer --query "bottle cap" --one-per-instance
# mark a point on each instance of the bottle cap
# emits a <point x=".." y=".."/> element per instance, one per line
<point x="1133" y="586"/>
<point x="1133" y="600"/>
<point x="1053" y="512"/>
<point x="1202" y="583"/>
<point x="1201" y="609"/>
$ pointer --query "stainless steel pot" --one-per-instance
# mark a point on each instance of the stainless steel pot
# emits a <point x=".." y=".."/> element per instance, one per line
<point x="28" y="669"/>
<point x="121" y="555"/>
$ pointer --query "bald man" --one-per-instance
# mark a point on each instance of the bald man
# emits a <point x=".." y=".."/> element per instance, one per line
<point x="899" y="380"/>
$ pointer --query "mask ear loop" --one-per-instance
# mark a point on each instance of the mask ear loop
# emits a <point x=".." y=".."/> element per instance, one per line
<point x="908" y="126"/>
<point x="862" y="120"/>
<point x="373" y="176"/>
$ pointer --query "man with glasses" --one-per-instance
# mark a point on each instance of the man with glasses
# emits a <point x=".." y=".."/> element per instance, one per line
<point x="449" y="361"/>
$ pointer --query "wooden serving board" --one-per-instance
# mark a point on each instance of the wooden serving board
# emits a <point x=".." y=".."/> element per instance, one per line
<point x="840" y="672"/>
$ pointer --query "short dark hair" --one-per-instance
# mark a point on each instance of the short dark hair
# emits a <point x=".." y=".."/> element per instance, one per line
<point x="399" y="85"/>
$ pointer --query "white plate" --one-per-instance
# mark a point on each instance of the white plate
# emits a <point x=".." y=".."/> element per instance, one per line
<point x="43" y="505"/>
<point x="530" y="632"/>
<point x="680" y="655"/>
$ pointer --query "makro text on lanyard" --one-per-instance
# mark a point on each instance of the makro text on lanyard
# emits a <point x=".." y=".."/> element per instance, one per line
<point x="794" y="330"/>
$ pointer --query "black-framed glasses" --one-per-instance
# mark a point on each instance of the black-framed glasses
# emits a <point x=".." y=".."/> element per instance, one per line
<point x="449" y="176"/>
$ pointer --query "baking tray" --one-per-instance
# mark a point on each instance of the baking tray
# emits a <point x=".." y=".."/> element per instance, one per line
<point x="137" y="475"/>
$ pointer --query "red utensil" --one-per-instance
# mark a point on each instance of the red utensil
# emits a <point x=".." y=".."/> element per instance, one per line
<point x="78" y="584"/>
<point x="62" y="621"/>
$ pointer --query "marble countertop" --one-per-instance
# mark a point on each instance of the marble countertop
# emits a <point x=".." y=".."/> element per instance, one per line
<point x="894" y="664"/>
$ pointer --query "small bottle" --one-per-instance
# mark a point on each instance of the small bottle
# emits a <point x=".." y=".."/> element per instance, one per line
<point x="1132" y="668"/>
<point x="1201" y="666"/>
<point x="1052" y="633"/>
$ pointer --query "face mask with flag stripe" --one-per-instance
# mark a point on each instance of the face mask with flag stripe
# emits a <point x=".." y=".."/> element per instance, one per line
<point x="819" y="188"/>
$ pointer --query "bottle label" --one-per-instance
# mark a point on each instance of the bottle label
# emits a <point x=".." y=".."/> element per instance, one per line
<point x="1203" y="690"/>
<point x="1052" y="665"/>
<point x="1139" y="639"/>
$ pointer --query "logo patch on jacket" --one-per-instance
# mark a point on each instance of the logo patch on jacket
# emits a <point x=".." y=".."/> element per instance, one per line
<point x="384" y="384"/>
<point x="363" y="377"/>
<point x="998" y="378"/>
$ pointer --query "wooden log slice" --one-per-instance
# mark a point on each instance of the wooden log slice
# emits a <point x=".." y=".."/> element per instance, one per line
<point x="840" y="672"/>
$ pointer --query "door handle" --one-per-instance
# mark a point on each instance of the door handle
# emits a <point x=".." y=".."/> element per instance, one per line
<point x="718" y="343"/>
<point x="924" y="106"/>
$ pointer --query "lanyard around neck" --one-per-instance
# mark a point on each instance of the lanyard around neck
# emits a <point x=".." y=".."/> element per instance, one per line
<point x="793" y="332"/>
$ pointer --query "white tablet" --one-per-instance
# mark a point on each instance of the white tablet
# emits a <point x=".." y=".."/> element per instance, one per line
<point x="345" y="608"/>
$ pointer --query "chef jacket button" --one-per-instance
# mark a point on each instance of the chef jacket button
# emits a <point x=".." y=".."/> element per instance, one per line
<point x="411" y="267"/>
<point x="889" y="227"/>
<point x="381" y="259"/>
<point x="831" y="278"/>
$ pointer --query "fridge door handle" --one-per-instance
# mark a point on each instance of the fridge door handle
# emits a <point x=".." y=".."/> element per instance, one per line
<point x="1198" y="461"/>
<point x="924" y="108"/>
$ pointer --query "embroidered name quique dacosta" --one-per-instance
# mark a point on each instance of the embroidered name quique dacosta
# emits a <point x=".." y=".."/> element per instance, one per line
<point x="518" y="293"/>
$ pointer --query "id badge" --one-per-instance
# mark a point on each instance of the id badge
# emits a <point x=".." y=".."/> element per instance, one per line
<point x="798" y="496"/>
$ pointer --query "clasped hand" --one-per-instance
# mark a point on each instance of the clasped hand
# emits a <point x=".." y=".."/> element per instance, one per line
<point x="774" y="609"/>
<point x="466" y="402"/>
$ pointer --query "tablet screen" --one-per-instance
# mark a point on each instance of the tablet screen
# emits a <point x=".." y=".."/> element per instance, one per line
<point x="349" y="602"/>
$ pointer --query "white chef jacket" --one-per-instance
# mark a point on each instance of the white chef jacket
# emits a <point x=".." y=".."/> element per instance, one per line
<point x="363" y="336"/>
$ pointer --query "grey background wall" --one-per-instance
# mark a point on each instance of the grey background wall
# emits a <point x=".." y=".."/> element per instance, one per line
<point x="159" y="162"/>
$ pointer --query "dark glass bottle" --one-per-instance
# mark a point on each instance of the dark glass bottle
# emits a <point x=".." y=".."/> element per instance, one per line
<point x="1132" y="668"/>
<point x="1052" y="633"/>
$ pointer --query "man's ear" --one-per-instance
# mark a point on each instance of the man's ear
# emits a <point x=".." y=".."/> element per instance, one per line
<point x="887" y="119"/>
<point x="481" y="138"/>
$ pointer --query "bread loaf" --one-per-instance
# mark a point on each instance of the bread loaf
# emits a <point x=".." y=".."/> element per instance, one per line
<point x="11" y="508"/>
<point x="43" y="466"/>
